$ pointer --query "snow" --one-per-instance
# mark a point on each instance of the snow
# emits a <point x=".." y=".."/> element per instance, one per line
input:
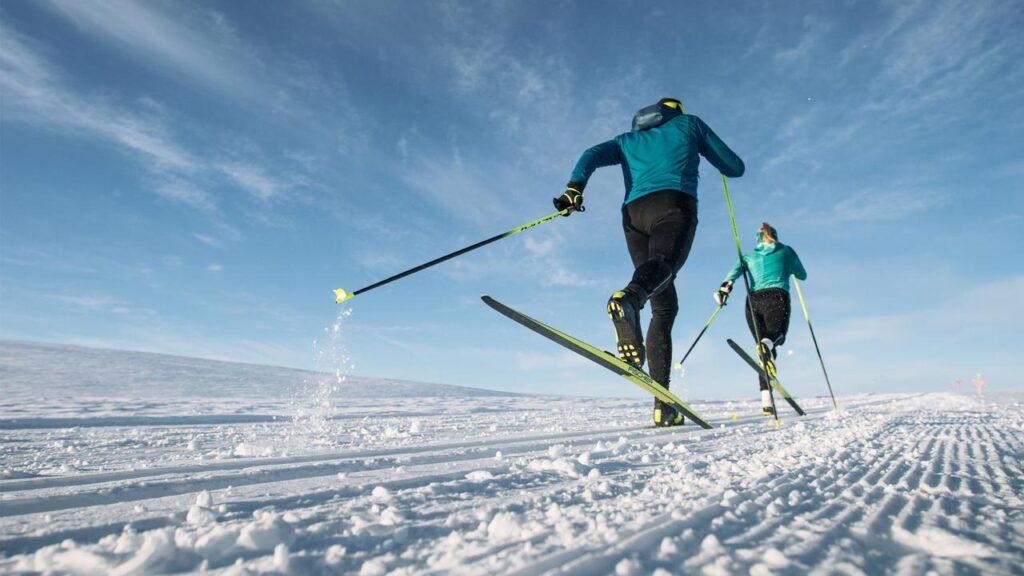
<point x="127" y="475"/>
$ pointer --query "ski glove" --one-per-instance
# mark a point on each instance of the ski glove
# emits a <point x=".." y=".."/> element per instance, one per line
<point x="722" y="294"/>
<point x="571" y="199"/>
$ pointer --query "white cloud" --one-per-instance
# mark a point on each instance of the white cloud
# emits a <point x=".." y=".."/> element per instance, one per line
<point x="461" y="189"/>
<point x="983" y="307"/>
<point x="815" y="30"/>
<point x="37" y="92"/>
<point x="560" y="275"/>
<point x="101" y="303"/>
<point x="214" y="267"/>
<point x="198" y="43"/>
<point x="540" y="246"/>
<point x="33" y="90"/>
<point x="894" y="203"/>
<point x="184" y="191"/>
<point x="253" y="179"/>
<point x="940" y="52"/>
<point x="208" y="240"/>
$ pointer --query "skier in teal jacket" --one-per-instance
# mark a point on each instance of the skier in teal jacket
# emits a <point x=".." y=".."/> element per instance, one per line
<point x="659" y="159"/>
<point x="770" y="265"/>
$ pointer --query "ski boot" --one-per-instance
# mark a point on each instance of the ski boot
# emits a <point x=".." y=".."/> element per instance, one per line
<point x="624" y="310"/>
<point x="766" y="354"/>
<point x="665" y="415"/>
<point x="766" y="403"/>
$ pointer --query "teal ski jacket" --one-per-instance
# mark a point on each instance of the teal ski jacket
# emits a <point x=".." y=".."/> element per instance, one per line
<point x="664" y="157"/>
<point x="770" y="266"/>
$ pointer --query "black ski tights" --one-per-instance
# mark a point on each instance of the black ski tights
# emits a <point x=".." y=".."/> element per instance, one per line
<point x="659" y="231"/>
<point x="771" y="309"/>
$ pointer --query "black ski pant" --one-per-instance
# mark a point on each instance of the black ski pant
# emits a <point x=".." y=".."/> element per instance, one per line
<point x="771" y="314"/>
<point x="659" y="231"/>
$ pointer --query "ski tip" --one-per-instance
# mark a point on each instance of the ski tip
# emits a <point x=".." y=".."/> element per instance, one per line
<point x="341" y="295"/>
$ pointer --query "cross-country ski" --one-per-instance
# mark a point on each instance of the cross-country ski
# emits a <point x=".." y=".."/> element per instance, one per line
<point x="243" y="247"/>
<point x="606" y="360"/>
<point x="772" y="379"/>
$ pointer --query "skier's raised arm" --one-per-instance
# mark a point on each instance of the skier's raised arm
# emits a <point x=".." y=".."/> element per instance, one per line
<point x="722" y="294"/>
<point x="604" y="154"/>
<point x="796" y="267"/>
<point x="716" y="152"/>
<point x="735" y="273"/>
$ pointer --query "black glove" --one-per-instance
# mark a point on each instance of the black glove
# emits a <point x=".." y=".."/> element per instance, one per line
<point x="722" y="294"/>
<point x="571" y="199"/>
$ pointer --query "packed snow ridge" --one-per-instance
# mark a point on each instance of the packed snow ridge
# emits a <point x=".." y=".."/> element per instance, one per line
<point x="475" y="484"/>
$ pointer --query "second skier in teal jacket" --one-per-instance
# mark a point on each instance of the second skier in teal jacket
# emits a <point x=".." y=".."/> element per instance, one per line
<point x="770" y="265"/>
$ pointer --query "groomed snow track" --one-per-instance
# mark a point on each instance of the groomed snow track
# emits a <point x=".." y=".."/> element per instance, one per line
<point x="895" y="484"/>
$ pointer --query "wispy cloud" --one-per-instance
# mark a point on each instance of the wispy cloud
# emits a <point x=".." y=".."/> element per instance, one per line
<point x="461" y="189"/>
<point x="183" y="190"/>
<point x="932" y="52"/>
<point x="992" y="305"/>
<point x="252" y="178"/>
<point x="200" y="44"/>
<point x="815" y="31"/>
<point x="101" y="303"/>
<point x="35" y="91"/>
<point x="208" y="240"/>
<point x="889" y="203"/>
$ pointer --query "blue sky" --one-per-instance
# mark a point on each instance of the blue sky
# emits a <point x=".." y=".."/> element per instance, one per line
<point x="196" y="178"/>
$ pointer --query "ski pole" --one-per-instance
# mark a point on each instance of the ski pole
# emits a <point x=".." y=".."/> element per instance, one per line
<point x="746" y="283"/>
<point x="679" y="365"/>
<point x="342" y="295"/>
<point x="803" y="305"/>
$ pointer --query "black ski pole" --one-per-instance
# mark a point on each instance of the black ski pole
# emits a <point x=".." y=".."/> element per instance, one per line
<point x="342" y="295"/>
<point x="679" y="365"/>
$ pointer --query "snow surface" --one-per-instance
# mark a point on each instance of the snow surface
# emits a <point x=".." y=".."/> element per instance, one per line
<point x="126" y="463"/>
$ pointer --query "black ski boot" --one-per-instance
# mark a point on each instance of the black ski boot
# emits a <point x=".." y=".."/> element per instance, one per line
<point x="665" y="415"/>
<point x="624" y="310"/>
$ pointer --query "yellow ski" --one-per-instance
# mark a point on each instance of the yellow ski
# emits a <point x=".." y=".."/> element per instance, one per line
<point x="602" y="358"/>
<point x="773" y="380"/>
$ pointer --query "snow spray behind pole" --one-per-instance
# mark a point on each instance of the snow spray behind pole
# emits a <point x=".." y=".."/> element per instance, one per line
<point x="746" y="282"/>
<point x="314" y="409"/>
<point x="341" y="295"/>
<point x="803" y="305"/>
